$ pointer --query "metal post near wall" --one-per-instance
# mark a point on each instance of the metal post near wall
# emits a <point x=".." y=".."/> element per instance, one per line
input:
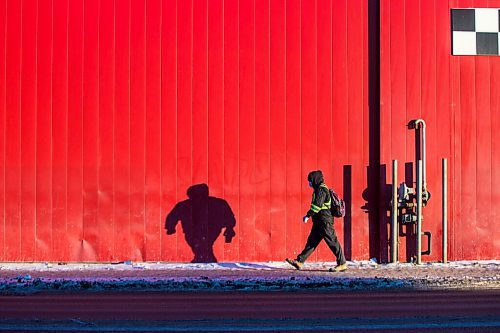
<point x="445" y="211"/>
<point x="394" y="213"/>
<point x="419" y="212"/>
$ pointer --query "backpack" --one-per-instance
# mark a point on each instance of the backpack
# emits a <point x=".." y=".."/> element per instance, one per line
<point x="338" y="205"/>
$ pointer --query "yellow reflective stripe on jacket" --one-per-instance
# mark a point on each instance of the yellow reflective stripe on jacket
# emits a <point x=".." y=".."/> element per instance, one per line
<point x="315" y="208"/>
<point x="326" y="205"/>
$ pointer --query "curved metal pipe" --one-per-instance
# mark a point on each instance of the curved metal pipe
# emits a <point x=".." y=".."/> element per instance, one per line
<point x="422" y="124"/>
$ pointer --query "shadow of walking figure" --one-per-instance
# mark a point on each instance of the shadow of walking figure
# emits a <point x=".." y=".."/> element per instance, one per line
<point x="202" y="218"/>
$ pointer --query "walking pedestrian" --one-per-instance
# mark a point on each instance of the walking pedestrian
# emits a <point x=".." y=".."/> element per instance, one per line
<point x="322" y="226"/>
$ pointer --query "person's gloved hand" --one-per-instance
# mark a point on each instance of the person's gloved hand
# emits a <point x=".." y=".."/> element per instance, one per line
<point x="170" y="231"/>
<point x="305" y="219"/>
<point x="229" y="234"/>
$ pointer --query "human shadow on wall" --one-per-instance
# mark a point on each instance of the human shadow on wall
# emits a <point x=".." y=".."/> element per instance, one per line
<point x="202" y="218"/>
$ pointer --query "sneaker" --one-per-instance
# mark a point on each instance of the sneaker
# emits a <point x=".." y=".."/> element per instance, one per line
<point x="339" y="268"/>
<point x="294" y="263"/>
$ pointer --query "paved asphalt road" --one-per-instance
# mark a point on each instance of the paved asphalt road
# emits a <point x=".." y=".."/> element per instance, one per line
<point x="380" y="311"/>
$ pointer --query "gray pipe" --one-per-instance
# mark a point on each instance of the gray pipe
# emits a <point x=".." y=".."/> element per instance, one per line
<point x="394" y="213"/>
<point x="445" y="211"/>
<point x="419" y="212"/>
<point x="421" y="122"/>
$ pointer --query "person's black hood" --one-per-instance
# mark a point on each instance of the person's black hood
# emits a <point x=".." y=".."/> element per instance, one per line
<point x="316" y="178"/>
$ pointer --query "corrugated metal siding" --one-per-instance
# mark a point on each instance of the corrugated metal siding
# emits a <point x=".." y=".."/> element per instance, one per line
<point x="474" y="148"/>
<point x="111" y="110"/>
<point x="458" y="98"/>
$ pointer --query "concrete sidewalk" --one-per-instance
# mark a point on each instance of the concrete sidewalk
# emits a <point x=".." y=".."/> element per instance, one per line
<point x="26" y="278"/>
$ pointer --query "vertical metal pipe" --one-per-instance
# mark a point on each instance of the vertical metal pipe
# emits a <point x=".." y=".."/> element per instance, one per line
<point x="445" y="211"/>
<point x="419" y="212"/>
<point x="394" y="213"/>
<point x="424" y="174"/>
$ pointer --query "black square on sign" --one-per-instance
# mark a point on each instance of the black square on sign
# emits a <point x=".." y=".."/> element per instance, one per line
<point x="463" y="19"/>
<point x="487" y="43"/>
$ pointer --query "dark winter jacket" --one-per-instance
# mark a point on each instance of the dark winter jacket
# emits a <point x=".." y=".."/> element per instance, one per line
<point x="321" y="200"/>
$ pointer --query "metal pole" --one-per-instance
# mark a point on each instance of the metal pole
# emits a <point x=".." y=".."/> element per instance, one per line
<point x="445" y="211"/>
<point x="394" y="213"/>
<point x="419" y="212"/>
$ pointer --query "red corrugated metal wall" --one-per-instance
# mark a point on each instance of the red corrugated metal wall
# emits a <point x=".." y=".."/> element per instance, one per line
<point x="111" y="110"/>
<point x="459" y="98"/>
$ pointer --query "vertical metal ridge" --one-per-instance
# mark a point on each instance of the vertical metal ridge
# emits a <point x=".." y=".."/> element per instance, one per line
<point x="51" y="128"/>
<point x="475" y="133"/>
<point x="98" y="105"/>
<point x="420" y="61"/>
<point x="269" y="116"/>
<point x="405" y="145"/>
<point x="207" y="113"/>
<point x="330" y="50"/>
<point x="451" y="170"/>
<point x="82" y="120"/>
<point x="82" y="200"/>
<point x="285" y="121"/>
<point x="389" y="72"/>
<point x="346" y="73"/>
<point x="129" y="150"/>
<point x="238" y="123"/>
<point x="458" y="129"/>
<point x="316" y="79"/>
<point x="207" y="99"/>
<point x="176" y="112"/>
<point x="254" y="141"/>
<point x="491" y="139"/>
<point x="3" y="147"/>
<point x="36" y="133"/>
<point x="191" y="94"/>
<point x="20" y="188"/>
<point x="161" y="127"/>
<point x="145" y="166"/>
<point x="365" y="79"/>
<point x="160" y="244"/>
<point x="435" y="103"/>
<point x="365" y="114"/>
<point x="301" y="232"/>
<point x="66" y="125"/>
<point x="113" y="133"/>
<point x="223" y="190"/>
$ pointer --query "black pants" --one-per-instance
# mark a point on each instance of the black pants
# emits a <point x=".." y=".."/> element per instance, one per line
<point x="320" y="230"/>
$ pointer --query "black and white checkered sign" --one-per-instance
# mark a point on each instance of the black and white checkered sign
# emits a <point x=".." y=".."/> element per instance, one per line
<point x="475" y="31"/>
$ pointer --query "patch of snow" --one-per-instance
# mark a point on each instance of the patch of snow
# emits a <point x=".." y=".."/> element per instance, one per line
<point x="242" y="276"/>
<point x="233" y="266"/>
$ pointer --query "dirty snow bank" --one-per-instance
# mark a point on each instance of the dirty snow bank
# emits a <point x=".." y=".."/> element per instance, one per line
<point x="235" y="266"/>
<point x="22" y="278"/>
<point x="23" y="286"/>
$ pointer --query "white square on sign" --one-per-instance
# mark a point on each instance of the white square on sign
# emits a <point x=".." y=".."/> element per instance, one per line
<point x="486" y="20"/>
<point x="464" y="43"/>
